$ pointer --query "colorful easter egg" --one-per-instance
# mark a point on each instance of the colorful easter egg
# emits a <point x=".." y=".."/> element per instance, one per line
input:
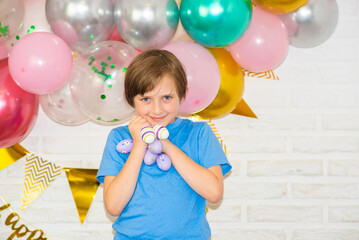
<point x="160" y="131"/>
<point x="149" y="157"/>
<point x="163" y="162"/>
<point x="125" y="146"/>
<point x="147" y="134"/>
<point x="155" y="147"/>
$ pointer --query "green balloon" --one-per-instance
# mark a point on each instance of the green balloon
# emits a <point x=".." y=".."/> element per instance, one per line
<point x="215" y="23"/>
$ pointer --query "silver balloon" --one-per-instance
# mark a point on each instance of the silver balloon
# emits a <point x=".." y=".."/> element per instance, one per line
<point x="11" y="16"/>
<point x="61" y="108"/>
<point x="146" y="24"/>
<point x="312" y="24"/>
<point x="97" y="82"/>
<point x="81" y="23"/>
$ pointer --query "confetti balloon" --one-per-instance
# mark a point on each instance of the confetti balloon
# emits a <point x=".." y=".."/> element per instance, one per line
<point x="11" y="17"/>
<point x="214" y="23"/>
<point x="18" y="109"/>
<point x="81" y="23"/>
<point x="315" y="23"/>
<point x="231" y="88"/>
<point x="146" y="24"/>
<point x="40" y="62"/>
<point x="280" y="6"/>
<point x="61" y="108"/>
<point x="97" y="82"/>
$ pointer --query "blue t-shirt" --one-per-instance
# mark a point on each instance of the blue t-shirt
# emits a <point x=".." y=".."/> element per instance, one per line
<point x="163" y="205"/>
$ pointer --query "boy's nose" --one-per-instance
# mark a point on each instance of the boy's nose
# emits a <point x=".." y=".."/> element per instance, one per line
<point x="157" y="108"/>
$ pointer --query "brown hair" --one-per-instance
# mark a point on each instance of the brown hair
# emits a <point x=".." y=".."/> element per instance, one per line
<point x="147" y="69"/>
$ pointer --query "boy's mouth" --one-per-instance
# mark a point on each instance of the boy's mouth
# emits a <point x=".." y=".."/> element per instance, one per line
<point x="157" y="119"/>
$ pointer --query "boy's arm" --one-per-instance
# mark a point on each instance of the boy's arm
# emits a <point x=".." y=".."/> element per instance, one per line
<point x="118" y="190"/>
<point x="206" y="182"/>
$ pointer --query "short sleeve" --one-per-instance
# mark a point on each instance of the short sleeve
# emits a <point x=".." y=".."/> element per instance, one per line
<point x="112" y="161"/>
<point x="210" y="150"/>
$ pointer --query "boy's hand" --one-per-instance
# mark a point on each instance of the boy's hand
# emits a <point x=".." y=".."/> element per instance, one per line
<point x="136" y="124"/>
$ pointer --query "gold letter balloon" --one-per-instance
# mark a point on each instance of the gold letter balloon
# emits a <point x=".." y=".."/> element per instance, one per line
<point x="280" y="6"/>
<point x="231" y="87"/>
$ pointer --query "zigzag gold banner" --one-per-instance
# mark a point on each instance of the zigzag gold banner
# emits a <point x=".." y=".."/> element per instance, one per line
<point x="214" y="129"/>
<point x="83" y="184"/>
<point x="38" y="174"/>
<point x="267" y="75"/>
<point x="11" y="154"/>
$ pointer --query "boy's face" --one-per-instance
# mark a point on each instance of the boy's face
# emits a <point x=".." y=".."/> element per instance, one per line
<point x="160" y="105"/>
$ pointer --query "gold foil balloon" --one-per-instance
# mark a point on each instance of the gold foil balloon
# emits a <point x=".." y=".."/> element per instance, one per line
<point x="280" y="6"/>
<point x="231" y="87"/>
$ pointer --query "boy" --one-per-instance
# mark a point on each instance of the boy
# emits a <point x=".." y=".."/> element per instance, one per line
<point x="151" y="203"/>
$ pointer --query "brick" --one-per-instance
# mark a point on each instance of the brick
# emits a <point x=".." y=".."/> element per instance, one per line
<point x="326" y="190"/>
<point x="284" y="213"/>
<point x="348" y="213"/>
<point x="254" y="190"/>
<point x="325" y="144"/>
<point x="340" y="121"/>
<point x="329" y="233"/>
<point x="343" y="167"/>
<point x="285" y="168"/>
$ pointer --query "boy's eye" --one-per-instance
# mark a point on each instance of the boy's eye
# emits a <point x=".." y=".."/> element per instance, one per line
<point x="167" y="97"/>
<point x="145" y="99"/>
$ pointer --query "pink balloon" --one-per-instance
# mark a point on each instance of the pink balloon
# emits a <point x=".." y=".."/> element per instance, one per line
<point x="264" y="45"/>
<point x="202" y="74"/>
<point x="3" y="52"/>
<point x="40" y="62"/>
<point x="18" y="109"/>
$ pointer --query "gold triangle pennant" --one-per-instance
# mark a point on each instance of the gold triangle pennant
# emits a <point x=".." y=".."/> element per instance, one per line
<point x="38" y="174"/>
<point x="243" y="109"/>
<point x="11" y="154"/>
<point x="83" y="184"/>
<point x="214" y="129"/>
<point x="267" y="75"/>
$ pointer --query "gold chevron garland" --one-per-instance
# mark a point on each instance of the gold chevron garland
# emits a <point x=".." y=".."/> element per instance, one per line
<point x="38" y="174"/>
<point x="215" y="131"/>
<point x="83" y="184"/>
<point x="267" y="75"/>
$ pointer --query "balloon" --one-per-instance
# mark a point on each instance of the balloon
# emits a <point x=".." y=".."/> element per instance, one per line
<point x="97" y="82"/>
<point x="146" y="24"/>
<point x="280" y="6"/>
<point x="315" y="23"/>
<point x="11" y="16"/>
<point x="264" y="45"/>
<point x="3" y="52"/>
<point x="40" y="62"/>
<point x="231" y="88"/>
<point x="81" y="23"/>
<point x="61" y="108"/>
<point x="203" y="75"/>
<point x="18" y="109"/>
<point x="214" y="23"/>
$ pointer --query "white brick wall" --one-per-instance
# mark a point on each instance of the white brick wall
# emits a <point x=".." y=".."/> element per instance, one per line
<point x="295" y="169"/>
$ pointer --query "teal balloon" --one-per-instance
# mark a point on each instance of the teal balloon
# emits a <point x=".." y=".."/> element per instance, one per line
<point x="215" y="23"/>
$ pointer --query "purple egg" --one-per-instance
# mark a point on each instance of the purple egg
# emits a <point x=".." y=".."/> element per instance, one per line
<point x="149" y="157"/>
<point x="163" y="161"/>
<point x="155" y="147"/>
<point x="125" y="146"/>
